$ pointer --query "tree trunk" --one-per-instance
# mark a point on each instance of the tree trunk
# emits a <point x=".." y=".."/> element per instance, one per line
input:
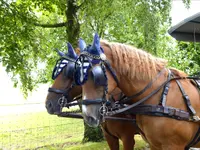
<point x="72" y="26"/>
<point x="73" y="32"/>
<point x="92" y="134"/>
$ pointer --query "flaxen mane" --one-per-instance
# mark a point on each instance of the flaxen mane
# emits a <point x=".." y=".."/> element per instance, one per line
<point x="133" y="62"/>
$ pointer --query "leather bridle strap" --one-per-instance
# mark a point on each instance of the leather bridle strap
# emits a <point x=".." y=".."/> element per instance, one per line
<point x="90" y="102"/>
<point x="110" y="69"/>
<point x="64" y="92"/>
<point x="57" y="91"/>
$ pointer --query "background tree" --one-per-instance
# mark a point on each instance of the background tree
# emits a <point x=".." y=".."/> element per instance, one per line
<point x="32" y="29"/>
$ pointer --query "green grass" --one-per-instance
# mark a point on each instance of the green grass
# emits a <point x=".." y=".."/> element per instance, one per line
<point x="38" y="129"/>
<point x="140" y="145"/>
<point x="47" y="132"/>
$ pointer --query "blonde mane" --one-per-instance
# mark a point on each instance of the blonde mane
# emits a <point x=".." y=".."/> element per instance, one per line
<point x="134" y="63"/>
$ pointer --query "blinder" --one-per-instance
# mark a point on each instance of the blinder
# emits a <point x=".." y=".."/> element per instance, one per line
<point x="69" y="70"/>
<point x="60" y="65"/>
<point x="98" y="76"/>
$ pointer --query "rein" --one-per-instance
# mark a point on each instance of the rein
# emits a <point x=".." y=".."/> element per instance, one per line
<point x="128" y="98"/>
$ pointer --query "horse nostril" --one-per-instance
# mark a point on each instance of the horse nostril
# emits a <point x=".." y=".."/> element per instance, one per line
<point x="48" y="105"/>
<point x="92" y="122"/>
<point x="91" y="119"/>
<point x="52" y="107"/>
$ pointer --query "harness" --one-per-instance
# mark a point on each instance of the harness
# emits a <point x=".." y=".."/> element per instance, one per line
<point x="160" y="110"/>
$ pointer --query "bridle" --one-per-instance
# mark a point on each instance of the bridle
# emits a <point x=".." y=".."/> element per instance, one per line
<point x="98" y="72"/>
<point x="99" y="76"/>
<point x="68" y="69"/>
<point x="65" y="99"/>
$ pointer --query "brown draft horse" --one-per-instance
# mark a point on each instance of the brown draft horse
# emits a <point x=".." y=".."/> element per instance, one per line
<point x="135" y="69"/>
<point x="113" y="130"/>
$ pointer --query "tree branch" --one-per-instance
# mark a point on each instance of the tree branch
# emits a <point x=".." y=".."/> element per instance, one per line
<point x="63" y="24"/>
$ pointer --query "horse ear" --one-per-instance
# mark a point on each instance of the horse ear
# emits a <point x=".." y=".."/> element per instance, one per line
<point x="60" y="53"/>
<point x="81" y="44"/>
<point x="96" y="42"/>
<point x="71" y="53"/>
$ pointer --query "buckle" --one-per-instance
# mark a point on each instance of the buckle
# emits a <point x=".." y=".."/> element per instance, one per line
<point x="61" y="101"/>
<point x="194" y="118"/>
<point x="103" y="111"/>
<point x="172" y="112"/>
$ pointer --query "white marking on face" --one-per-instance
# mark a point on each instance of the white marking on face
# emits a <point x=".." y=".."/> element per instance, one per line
<point x="84" y="96"/>
<point x="84" y="107"/>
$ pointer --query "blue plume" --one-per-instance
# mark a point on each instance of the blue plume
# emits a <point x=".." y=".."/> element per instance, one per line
<point x="71" y="53"/>
<point x="60" y="53"/>
<point x="95" y="49"/>
<point x="81" y="44"/>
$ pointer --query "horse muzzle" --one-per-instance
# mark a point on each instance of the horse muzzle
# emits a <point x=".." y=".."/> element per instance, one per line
<point x="53" y="107"/>
<point x="91" y="114"/>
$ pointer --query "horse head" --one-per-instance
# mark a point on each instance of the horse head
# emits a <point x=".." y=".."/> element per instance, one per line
<point x="63" y="90"/>
<point x="93" y="74"/>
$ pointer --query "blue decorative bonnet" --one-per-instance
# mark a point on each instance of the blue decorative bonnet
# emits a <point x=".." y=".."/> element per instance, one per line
<point x="90" y="55"/>
<point x="70" y="56"/>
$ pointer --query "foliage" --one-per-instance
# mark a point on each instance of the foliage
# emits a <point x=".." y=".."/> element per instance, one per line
<point x="16" y="53"/>
<point x="181" y="55"/>
<point x="189" y="59"/>
<point x="32" y="29"/>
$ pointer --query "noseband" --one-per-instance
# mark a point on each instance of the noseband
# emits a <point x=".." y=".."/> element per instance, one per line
<point x="64" y="99"/>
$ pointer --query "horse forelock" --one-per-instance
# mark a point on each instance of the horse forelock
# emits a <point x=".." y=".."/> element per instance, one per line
<point x="77" y="50"/>
<point x="132" y="62"/>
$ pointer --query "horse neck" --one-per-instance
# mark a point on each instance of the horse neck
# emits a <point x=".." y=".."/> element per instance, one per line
<point x="131" y="87"/>
<point x="116" y="94"/>
<point x="132" y="83"/>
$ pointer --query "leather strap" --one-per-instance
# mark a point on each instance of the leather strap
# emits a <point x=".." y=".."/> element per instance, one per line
<point x="127" y="99"/>
<point x="111" y="70"/>
<point x="57" y="91"/>
<point x="160" y="111"/>
<point x="186" y="99"/>
<point x="120" y="119"/>
<point x="194" y="141"/>
<point x="123" y="110"/>
<point x="165" y="91"/>
<point x="90" y="102"/>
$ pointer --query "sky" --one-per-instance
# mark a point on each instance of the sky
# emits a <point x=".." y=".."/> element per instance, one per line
<point x="179" y="12"/>
<point x="10" y="95"/>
